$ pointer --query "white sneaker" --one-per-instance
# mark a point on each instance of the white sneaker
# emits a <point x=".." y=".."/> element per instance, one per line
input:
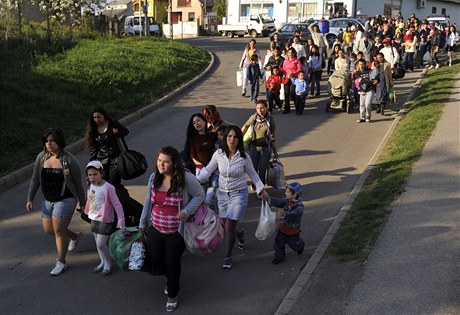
<point x="58" y="269"/>
<point x="431" y="67"/>
<point x="74" y="243"/>
<point x="437" y="66"/>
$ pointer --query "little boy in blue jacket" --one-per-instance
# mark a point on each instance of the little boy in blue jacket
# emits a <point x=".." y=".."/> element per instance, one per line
<point x="289" y="227"/>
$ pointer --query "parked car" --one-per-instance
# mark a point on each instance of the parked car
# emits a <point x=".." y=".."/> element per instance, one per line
<point x="443" y="21"/>
<point x="287" y="31"/>
<point x="341" y="23"/>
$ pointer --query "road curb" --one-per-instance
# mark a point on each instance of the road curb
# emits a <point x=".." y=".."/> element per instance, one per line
<point x="24" y="173"/>
<point x="306" y="273"/>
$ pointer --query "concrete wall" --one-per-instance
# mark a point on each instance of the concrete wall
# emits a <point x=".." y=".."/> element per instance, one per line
<point x="181" y="30"/>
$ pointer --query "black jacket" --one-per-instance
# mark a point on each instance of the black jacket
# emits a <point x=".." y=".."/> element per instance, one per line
<point x="105" y="146"/>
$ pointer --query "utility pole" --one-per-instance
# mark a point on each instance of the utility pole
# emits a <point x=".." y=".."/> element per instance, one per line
<point x="171" y="34"/>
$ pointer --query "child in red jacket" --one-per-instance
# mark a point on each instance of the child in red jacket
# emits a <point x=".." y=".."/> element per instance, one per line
<point x="274" y="85"/>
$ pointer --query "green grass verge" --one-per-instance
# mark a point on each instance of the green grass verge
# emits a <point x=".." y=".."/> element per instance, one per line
<point x="58" y="88"/>
<point x="370" y="210"/>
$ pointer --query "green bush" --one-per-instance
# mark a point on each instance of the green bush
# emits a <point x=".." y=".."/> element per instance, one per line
<point x="58" y="86"/>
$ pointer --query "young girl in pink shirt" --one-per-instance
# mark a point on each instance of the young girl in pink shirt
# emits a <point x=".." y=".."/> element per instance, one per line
<point x="100" y="204"/>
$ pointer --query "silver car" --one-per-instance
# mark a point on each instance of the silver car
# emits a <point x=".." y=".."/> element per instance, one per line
<point x="341" y="23"/>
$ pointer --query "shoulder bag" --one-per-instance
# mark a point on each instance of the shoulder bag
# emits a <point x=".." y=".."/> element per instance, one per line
<point x="130" y="163"/>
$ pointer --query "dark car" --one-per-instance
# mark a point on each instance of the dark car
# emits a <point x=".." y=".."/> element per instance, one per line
<point x="287" y="31"/>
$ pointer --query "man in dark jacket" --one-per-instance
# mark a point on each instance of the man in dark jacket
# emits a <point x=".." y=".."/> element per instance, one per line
<point x="434" y="39"/>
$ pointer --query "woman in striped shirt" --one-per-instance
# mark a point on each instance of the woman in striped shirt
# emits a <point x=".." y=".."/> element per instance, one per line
<point x="232" y="198"/>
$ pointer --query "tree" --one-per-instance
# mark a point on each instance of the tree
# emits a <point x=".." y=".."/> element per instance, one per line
<point x="220" y="7"/>
<point x="11" y="18"/>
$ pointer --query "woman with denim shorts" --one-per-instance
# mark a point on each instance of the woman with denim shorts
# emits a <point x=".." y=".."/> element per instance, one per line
<point x="58" y="173"/>
<point x="232" y="197"/>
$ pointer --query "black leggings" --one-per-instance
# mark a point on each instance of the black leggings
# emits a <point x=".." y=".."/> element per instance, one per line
<point x="166" y="252"/>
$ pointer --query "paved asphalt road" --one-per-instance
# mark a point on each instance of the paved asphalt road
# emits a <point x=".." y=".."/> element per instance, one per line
<point x="325" y="152"/>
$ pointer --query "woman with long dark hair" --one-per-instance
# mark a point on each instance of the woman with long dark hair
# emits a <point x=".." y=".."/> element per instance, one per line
<point x="58" y="173"/>
<point x="173" y="195"/>
<point x="232" y="197"/>
<point x="199" y="142"/>
<point x="101" y="139"/>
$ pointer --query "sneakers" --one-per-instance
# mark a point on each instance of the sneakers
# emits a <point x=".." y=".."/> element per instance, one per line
<point x="227" y="263"/>
<point x="74" y="243"/>
<point x="437" y="66"/>
<point x="240" y="236"/>
<point x="360" y="121"/>
<point x="106" y="272"/>
<point x="171" y="304"/>
<point x="166" y="290"/>
<point x="431" y="67"/>
<point x="368" y="120"/>
<point x="59" y="268"/>
<point x="276" y="261"/>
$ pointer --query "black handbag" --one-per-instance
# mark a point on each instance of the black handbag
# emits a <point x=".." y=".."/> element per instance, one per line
<point x="399" y="72"/>
<point x="130" y="163"/>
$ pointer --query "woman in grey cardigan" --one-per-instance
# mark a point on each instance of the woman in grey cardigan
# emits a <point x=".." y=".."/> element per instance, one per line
<point x="58" y="173"/>
<point x="173" y="195"/>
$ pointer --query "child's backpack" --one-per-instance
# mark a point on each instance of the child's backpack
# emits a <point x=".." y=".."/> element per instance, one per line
<point x="205" y="233"/>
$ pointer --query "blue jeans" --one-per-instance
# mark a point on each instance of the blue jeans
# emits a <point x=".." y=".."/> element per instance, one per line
<point x="273" y="96"/>
<point x="260" y="161"/>
<point x="315" y="79"/>
<point x="409" y="60"/>
<point x="293" y="241"/>
<point x="254" y="89"/>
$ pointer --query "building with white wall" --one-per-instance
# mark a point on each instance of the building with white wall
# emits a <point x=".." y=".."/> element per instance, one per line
<point x="299" y="10"/>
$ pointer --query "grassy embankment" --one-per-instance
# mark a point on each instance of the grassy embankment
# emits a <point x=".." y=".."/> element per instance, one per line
<point x="40" y="89"/>
<point x="369" y="212"/>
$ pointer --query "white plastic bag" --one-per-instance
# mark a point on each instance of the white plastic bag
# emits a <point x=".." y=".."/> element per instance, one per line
<point x="239" y="78"/>
<point x="426" y="56"/>
<point x="267" y="222"/>
<point x="282" y="92"/>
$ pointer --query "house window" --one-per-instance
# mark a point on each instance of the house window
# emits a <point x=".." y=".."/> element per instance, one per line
<point x="191" y="16"/>
<point x="443" y="11"/>
<point x="184" y="3"/>
<point x="433" y="10"/>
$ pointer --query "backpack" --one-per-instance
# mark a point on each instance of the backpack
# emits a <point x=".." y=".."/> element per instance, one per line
<point x="205" y="233"/>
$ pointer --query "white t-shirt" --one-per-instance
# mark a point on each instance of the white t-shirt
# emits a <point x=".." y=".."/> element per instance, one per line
<point x="96" y="197"/>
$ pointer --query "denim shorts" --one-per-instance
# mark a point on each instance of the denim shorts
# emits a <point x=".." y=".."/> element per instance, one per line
<point x="60" y="209"/>
<point x="233" y="204"/>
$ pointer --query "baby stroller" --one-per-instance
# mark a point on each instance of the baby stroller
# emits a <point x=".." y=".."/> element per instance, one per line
<point x="340" y="93"/>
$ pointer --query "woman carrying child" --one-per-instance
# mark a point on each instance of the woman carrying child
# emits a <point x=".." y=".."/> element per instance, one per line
<point x="101" y="202"/>
<point x="262" y="127"/>
<point x="245" y="62"/>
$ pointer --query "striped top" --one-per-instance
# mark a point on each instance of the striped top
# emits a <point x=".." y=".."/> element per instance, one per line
<point x="164" y="211"/>
<point x="232" y="172"/>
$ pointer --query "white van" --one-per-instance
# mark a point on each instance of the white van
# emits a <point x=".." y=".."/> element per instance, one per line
<point x="133" y="27"/>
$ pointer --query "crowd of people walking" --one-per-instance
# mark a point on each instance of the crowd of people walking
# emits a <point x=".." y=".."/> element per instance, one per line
<point x="218" y="155"/>
<point x="293" y="70"/>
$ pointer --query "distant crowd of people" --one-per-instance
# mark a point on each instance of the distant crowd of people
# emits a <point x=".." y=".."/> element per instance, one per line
<point x="292" y="71"/>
